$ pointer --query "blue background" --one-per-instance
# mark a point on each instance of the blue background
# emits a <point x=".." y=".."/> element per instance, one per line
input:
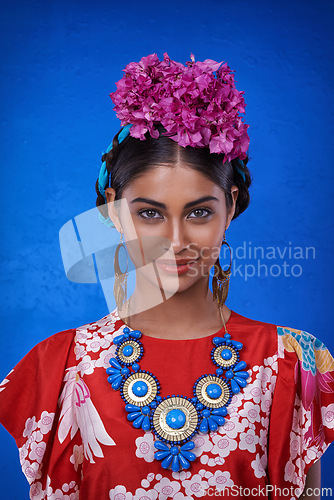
<point x="60" y="61"/>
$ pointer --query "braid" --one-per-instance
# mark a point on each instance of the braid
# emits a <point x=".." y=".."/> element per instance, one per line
<point x="243" y="185"/>
<point x="109" y="158"/>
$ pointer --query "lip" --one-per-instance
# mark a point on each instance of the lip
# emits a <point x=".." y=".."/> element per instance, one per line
<point x="176" y="267"/>
<point x="176" y="262"/>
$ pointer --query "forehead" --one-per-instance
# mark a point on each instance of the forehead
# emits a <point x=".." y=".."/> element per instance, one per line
<point x="176" y="182"/>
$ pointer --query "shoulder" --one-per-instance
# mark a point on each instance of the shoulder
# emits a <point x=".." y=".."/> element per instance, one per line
<point x="287" y="334"/>
<point x="251" y="326"/>
<point x="289" y="341"/>
<point x="66" y="348"/>
<point x="98" y="332"/>
<point x="107" y="325"/>
<point x="311" y="352"/>
<point x="237" y="317"/>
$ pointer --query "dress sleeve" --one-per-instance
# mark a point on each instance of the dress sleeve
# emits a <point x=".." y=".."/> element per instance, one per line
<point x="30" y="410"/>
<point x="302" y="414"/>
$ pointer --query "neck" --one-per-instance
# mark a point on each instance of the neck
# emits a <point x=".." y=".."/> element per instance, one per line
<point x="187" y="314"/>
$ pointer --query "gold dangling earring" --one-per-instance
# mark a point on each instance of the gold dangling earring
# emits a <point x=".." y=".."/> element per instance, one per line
<point x="120" y="285"/>
<point x="221" y="279"/>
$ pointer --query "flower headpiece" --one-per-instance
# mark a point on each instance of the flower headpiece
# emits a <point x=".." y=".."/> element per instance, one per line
<point x="198" y="104"/>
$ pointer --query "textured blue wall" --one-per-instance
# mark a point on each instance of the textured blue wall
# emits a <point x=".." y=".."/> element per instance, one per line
<point x="60" y="61"/>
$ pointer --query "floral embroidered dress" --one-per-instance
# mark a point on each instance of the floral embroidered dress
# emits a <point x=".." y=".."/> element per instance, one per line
<point x="75" y="441"/>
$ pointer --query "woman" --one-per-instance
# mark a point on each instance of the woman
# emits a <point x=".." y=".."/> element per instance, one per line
<point x="203" y="401"/>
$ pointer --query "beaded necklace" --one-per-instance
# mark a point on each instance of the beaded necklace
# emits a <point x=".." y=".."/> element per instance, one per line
<point x="176" y="419"/>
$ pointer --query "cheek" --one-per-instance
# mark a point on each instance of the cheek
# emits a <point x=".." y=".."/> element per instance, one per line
<point x="144" y="247"/>
<point x="210" y="254"/>
<point x="208" y="239"/>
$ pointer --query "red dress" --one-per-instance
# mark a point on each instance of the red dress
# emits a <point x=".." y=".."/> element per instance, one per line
<point x="74" y="438"/>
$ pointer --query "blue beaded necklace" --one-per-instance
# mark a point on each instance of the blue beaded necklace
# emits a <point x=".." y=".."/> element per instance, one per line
<point x="176" y="419"/>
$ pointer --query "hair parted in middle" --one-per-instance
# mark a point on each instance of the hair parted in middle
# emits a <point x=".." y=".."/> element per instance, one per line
<point x="133" y="157"/>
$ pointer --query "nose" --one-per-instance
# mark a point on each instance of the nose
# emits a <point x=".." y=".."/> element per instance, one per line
<point x="176" y="234"/>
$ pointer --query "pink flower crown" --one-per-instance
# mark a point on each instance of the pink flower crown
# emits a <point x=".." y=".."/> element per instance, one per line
<point x="198" y="104"/>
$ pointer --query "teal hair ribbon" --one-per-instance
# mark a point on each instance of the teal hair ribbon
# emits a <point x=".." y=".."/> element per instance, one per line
<point x="103" y="180"/>
<point x="104" y="174"/>
<point x="241" y="169"/>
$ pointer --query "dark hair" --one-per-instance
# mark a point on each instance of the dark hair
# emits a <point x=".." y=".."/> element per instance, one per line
<point x="130" y="159"/>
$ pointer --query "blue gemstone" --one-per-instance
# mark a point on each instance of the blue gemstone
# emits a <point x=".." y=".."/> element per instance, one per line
<point x="146" y="425"/>
<point x="160" y="455"/>
<point x="175" y="463"/>
<point x="174" y="450"/>
<point x="127" y="350"/>
<point x="139" y="420"/>
<point x="115" y="364"/>
<point x="185" y="464"/>
<point x="240" y="366"/>
<point x="226" y="354"/>
<point x="204" y="426"/>
<point x="220" y="411"/>
<point x="130" y="407"/>
<point x="166" y="462"/>
<point x="119" y="339"/>
<point x="189" y="455"/>
<point x="214" y="391"/>
<point x="140" y="388"/>
<point x="235" y="387"/>
<point x="206" y="413"/>
<point x="213" y="426"/>
<point x="188" y="446"/>
<point x="116" y="384"/>
<point x="175" y="419"/>
<point x="159" y="445"/>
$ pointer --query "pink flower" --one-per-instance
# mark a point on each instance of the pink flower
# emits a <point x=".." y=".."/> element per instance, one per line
<point x="198" y="104"/>
<point x="36" y="491"/>
<point x="46" y="421"/>
<point x="23" y="452"/>
<point x="120" y="493"/>
<point x="259" y="465"/>
<point x="167" y="488"/>
<point x="37" y="451"/>
<point x="248" y="441"/>
<point x="195" y="487"/>
<point x="141" y="494"/>
<point x="30" y="426"/>
<point x="30" y="470"/>
<point x="328" y="415"/>
<point x="145" y="447"/>
<point x="221" y="480"/>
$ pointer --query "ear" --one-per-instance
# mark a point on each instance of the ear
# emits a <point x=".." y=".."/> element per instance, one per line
<point x="110" y="196"/>
<point x="234" y="194"/>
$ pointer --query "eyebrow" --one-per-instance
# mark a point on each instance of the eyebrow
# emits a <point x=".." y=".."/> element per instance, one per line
<point x="162" y="205"/>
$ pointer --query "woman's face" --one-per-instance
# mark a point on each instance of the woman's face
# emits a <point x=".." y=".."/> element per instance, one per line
<point x="179" y="217"/>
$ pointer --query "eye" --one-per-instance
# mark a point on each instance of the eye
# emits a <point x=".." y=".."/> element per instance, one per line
<point x="201" y="213"/>
<point x="148" y="214"/>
